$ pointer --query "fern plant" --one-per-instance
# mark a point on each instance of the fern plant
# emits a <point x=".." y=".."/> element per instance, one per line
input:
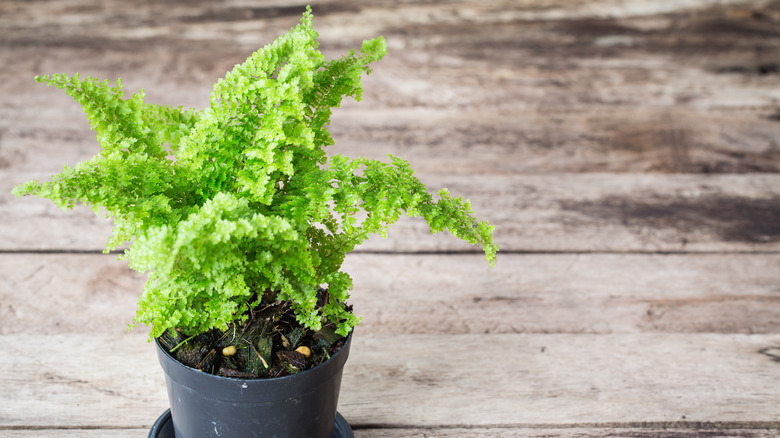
<point x="239" y="202"/>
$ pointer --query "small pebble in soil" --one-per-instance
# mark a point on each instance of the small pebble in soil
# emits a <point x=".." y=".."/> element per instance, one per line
<point x="230" y="350"/>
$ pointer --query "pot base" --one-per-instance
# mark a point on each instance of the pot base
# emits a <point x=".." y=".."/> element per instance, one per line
<point x="163" y="427"/>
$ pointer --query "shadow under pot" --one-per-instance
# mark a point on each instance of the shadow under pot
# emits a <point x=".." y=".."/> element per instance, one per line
<point x="295" y="406"/>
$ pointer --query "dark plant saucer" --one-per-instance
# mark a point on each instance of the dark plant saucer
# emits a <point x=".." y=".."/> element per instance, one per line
<point x="163" y="427"/>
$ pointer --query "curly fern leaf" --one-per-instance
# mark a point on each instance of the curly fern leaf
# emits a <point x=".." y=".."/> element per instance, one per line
<point x="132" y="179"/>
<point x="239" y="201"/>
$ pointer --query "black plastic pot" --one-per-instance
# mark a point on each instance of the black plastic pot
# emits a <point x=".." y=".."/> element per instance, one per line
<point x="296" y="406"/>
<point x="163" y="427"/>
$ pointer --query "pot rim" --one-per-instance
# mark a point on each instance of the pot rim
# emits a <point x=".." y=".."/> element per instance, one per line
<point x="318" y="369"/>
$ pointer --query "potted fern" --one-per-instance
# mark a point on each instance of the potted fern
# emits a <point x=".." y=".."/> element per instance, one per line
<point x="242" y="222"/>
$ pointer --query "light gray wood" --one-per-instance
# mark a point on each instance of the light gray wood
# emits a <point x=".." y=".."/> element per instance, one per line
<point x="446" y="294"/>
<point x="504" y="432"/>
<point x="95" y="380"/>
<point x="416" y="381"/>
<point x="67" y="293"/>
<point x="567" y="293"/>
<point x="446" y="142"/>
<point x="609" y="212"/>
<point x="561" y="379"/>
<point x="575" y="126"/>
<point x="51" y="132"/>
<point x="580" y="432"/>
<point x="467" y="87"/>
<point x="76" y="433"/>
<point x="617" y="139"/>
<point x="555" y="212"/>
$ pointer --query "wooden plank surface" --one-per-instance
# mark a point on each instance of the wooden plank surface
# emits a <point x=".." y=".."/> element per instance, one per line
<point x="612" y="139"/>
<point x="646" y="431"/>
<point x="537" y="379"/>
<point x="544" y="212"/>
<point x="631" y="52"/>
<point x="611" y="212"/>
<point x="589" y="293"/>
<point x="445" y="294"/>
<point x="429" y="380"/>
<point x="451" y="142"/>
<point x="627" y="150"/>
<point x="60" y="380"/>
<point x="506" y="86"/>
<point x="76" y="433"/>
<point x="491" y="104"/>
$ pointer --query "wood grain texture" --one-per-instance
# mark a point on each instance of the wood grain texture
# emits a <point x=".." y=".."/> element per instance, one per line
<point x="76" y="433"/>
<point x="587" y="293"/>
<point x="627" y="151"/>
<point x="615" y="140"/>
<point x="609" y="212"/>
<point x="81" y="380"/>
<point x="649" y="431"/>
<point x="429" y="380"/>
<point x="446" y="294"/>
<point x="563" y="378"/>
<point x="580" y="432"/>
<point x="67" y="293"/>
<point x="555" y="212"/>
<point x="503" y="86"/>
<point x="447" y="142"/>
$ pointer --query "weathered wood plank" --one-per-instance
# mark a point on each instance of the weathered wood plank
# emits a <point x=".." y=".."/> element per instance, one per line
<point x="475" y="89"/>
<point x="662" y="140"/>
<point x="469" y="88"/>
<point x="555" y="212"/>
<point x="589" y="293"/>
<point x="465" y="54"/>
<point x="538" y="379"/>
<point x="436" y="142"/>
<point x="45" y="14"/>
<point x="417" y="381"/>
<point x="57" y="380"/>
<point x="76" y="433"/>
<point x="714" y="430"/>
<point x="435" y="294"/>
<point x="598" y="212"/>
<point x="579" y="432"/>
<point x="67" y="293"/>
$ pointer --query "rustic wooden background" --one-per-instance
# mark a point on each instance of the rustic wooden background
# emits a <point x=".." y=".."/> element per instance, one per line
<point x="627" y="151"/>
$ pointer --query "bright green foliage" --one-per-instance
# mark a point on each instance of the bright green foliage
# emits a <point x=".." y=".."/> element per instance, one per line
<point x="250" y="205"/>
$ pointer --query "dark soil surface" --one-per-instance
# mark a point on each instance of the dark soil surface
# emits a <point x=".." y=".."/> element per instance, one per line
<point x="270" y="343"/>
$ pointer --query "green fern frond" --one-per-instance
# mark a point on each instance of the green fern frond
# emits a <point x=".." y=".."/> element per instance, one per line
<point x="239" y="200"/>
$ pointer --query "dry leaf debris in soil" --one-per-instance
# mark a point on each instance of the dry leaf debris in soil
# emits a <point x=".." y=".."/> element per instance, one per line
<point x="270" y="343"/>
